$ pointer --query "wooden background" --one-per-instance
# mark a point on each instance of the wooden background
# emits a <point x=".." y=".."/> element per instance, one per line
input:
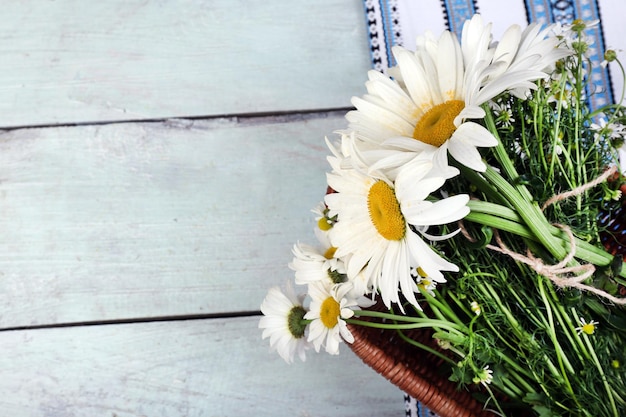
<point x="158" y="159"/>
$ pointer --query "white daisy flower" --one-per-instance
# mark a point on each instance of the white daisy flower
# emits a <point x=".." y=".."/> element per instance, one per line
<point x="379" y="226"/>
<point x="388" y="161"/>
<point x="282" y="322"/>
<point x="328" y="312"/>
<point x="537" y="48"/>
<point x="361" y="288"/>
<point x="312" y="264"/>
<point x="324" y="223"/>
<point x="436" y="90"/>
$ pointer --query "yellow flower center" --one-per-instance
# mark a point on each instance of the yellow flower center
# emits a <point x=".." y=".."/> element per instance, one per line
<point x="437" y="125"/>
<point x="384" y="210"/>
<point x="329" y="312"/>
<point x="330" y="252"/>
<point x="424" y="283"/>
<point x="324" y="225"/>
<point x="588" y="328"/>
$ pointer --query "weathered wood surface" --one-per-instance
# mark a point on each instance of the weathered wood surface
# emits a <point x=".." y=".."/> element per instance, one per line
<point x="157" y="202"/>
<point x="208" y="368"/>
<point x="71" y="61"/>
<point x="140" y="220"/>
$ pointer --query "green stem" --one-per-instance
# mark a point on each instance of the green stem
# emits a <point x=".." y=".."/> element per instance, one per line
<point x="411" y="322"/>
<point x="529" y="212"/>
<point x="517" y="328"/>
<point x="495" y="400"/>
<point x="487" y="207"/>
<point x="577" y="340"/>
<point x="442" y="308"/>
<point x="426" y="348"/>
<point x="605" y="382"/>
<point x="505" y="219"/>
<point x="558" y="350"/>
<point x="503" y="158"/>
<point x="482" y="184"/>
<point x="398" y="326"/>
<point x="565" y="323"/>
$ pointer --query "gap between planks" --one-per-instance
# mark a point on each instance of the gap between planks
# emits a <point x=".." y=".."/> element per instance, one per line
<point x="248" y="119"/>
<point x="242" y="118"/>
<point x="156" y="319"/>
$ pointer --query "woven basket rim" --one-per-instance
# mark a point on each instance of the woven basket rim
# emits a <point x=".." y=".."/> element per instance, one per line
<point x="415" y="371"/>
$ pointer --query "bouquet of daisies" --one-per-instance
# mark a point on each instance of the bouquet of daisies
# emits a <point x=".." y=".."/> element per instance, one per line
<point x="475" y="193"/>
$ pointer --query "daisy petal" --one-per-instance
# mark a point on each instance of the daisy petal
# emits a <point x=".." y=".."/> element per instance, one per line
<point x="475" y="134"/>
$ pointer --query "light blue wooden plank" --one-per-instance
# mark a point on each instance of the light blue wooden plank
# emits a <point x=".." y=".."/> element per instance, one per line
<point x="209" y="368"/>
<point x="69" y="61"/>
<point x="154" y="219"/>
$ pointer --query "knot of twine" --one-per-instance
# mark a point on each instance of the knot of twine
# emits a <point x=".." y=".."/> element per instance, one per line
<point x="560" y="274"/>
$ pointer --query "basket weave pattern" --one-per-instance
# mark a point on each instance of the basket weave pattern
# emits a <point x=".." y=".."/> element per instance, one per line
<point x="420" y="374"/>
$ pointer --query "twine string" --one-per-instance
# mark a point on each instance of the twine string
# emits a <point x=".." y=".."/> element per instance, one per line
<point x="581" y="189"/>
<point x="560" y="274"/>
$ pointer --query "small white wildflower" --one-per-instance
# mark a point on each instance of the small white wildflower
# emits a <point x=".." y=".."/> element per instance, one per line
<point x="422" y="280"/>
<point x="605" y="130"/>
<point x="503" y="113"/>
<point x="475" y="307"/>
<point x="587" y="328"/>
<point x="485" y="376"/>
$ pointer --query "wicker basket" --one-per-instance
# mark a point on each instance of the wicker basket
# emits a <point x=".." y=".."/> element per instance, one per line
<point x="422" y="375"/>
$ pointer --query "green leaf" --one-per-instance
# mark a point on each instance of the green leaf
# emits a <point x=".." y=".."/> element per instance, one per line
<point x="486" y="234"/>
<point x="544" y="411"/>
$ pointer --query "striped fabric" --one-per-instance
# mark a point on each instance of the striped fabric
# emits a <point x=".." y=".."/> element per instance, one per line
<point x="414" y="409"/>
<point x="399" y="22"/>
